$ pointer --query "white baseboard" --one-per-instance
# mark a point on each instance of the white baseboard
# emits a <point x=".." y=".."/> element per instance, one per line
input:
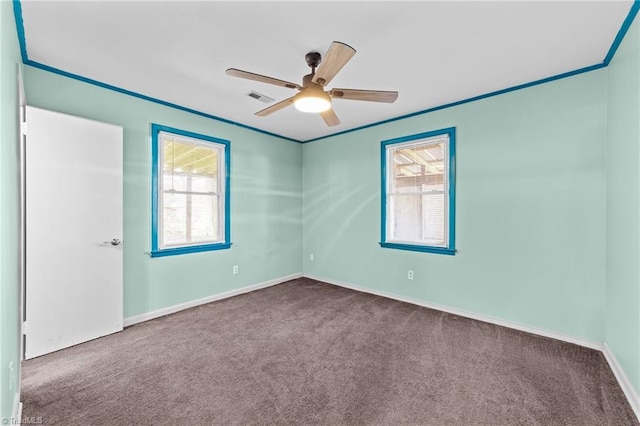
<point x="16" y="413"/>
<point x="462" y="313"/>
<point x="623" y="380"/>
<point x="175" y="308"/>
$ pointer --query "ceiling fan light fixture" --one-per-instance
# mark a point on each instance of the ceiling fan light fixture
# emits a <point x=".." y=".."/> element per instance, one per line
<point x="312" y="101"/>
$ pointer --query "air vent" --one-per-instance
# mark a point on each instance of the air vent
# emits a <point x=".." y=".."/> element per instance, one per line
<point x="259" y="96"/>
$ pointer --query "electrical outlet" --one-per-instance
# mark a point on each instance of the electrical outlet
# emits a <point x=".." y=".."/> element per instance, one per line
<point x="311" y="256"/>
<point x="235" y="270"/>
<point x="410" y="275"/>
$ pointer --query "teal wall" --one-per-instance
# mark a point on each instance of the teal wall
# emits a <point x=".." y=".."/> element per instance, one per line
<point x="530" y="224"/>
<point x="623" y="206"/>
<point x="266" y="203"/>
<point x="9" y="214"/>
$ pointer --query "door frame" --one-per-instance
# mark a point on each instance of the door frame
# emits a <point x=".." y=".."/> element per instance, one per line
<point x="21" y="135"/>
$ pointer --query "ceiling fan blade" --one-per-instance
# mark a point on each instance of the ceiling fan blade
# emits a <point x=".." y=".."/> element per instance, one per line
<point x="329" y="116"/>
<point x="261" y="78"/>
<point x="364" y="95"/>
<point x="275" y="107"/>
<point x="335" y="58"/>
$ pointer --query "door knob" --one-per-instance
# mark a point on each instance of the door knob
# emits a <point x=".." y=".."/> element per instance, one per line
<point x="114" y="242"/>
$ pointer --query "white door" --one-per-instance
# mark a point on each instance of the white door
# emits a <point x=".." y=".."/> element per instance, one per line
<point x="73" y="223"/>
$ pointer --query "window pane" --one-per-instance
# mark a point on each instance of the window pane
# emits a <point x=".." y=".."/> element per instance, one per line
<point x="202" y="183"/>
<point x="204" y="218"/>
<point x="174" y="182"/>
<point x="183" y="156"/>
<point x="405" y="218"/>
<point x="417" y="219"/>
<point x="174" y="219"/>
<point x="188" y="166"/>
<point x="433" y="219"/>
<point x="415" y="166"/>
<point x="190" y="218"/>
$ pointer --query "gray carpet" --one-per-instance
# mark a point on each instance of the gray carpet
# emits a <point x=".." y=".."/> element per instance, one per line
<point x="306" y="352"/>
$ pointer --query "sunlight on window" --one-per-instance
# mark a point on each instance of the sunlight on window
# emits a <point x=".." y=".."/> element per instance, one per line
<point x="190" y="191"/>
<point x="417" y="194"/>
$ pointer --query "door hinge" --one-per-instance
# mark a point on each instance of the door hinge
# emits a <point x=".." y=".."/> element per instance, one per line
<point x="24" y="328"/>
<point x="23" y="128"/>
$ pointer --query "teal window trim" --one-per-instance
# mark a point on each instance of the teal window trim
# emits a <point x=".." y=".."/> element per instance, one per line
<point x="156" y="250"/>
<point x="450" y="248"/>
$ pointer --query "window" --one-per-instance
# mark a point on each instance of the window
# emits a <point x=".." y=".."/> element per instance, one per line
<point x="190" y="202"/>
<point x="418" y="192"/>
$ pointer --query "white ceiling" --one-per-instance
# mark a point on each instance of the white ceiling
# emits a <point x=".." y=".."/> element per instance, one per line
<point x="432" y="53"/>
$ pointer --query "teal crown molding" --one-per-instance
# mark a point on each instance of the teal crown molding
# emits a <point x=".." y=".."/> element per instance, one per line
<point x="17" y="10"/>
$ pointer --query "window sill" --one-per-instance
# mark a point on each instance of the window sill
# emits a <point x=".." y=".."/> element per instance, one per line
<point x="424" y="249"/>
<point x="189" y="249"/>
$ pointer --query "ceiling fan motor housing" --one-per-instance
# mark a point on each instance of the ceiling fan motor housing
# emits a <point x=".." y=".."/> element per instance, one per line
<point x="313" y="59"/>
<point x="307" y="81"/>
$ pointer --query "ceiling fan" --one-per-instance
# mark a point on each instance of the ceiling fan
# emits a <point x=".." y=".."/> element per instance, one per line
<point x="312" y="97"/>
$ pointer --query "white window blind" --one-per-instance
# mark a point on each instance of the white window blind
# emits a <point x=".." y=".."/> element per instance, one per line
<point x="191" y="193"/>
